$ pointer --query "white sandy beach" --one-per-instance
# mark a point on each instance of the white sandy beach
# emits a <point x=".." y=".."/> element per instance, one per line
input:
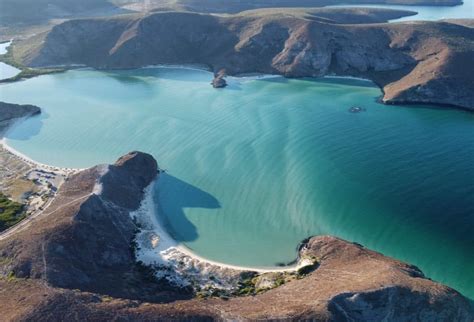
<point x="165" y="249"/>
<point x="165" y="245"/>
<point x="33" y="163"/>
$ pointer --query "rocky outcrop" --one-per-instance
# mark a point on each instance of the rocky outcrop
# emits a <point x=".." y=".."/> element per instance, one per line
<point x="219" y="81"/>
<point x="11" y="112"/>
<point x="413" y="62"/>
<point x="74" y="262"/>
<point x="83" y="240"/>
<point x="351" y="284"/>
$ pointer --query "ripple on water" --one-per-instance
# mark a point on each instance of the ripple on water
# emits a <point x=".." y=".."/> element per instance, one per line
<point x="253" y="171"/>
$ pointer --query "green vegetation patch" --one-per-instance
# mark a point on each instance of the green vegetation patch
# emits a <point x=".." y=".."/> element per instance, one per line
<point x="26" y="72"/>
<point x="30" y="73"/>
<point x="10" y="212"/>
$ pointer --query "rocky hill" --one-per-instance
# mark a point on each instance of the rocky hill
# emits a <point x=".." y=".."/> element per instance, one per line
<point x="75" y="262"/>
<point x="413" y="62"/>
<point x="33" y="12"/>
<point x="83" y="239"/>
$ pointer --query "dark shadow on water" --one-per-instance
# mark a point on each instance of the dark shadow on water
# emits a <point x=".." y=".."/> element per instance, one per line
<point x="172" y="196"/>
<point x="28" y="128"/>
<point x="128" y="79"/>
<point x="185" y="74"/>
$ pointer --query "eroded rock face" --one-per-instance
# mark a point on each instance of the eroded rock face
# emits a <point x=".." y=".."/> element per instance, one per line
<point x="124" y="181"/>
<point x="413" y="62"/>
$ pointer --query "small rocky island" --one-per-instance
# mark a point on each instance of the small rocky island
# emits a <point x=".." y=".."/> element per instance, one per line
<point x="219" y="81"/>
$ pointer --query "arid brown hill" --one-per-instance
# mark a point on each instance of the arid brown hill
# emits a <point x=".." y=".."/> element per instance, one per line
<point x="413" y="62"/>
<point x="74" y="263"/>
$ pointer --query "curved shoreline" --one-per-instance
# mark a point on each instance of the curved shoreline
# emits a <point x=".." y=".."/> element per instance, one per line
<point x="244" y="77"/>
<point x="155" y="256"/>
<point x="148" y="216"/>
<point x="147" y="207"/>
<point x="32" y="162"/>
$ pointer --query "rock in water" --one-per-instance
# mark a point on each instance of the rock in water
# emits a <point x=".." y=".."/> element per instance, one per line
<point x="219" y="81"/>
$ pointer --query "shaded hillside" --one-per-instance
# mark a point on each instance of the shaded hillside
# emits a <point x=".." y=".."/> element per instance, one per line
<point x="422" y="62"/>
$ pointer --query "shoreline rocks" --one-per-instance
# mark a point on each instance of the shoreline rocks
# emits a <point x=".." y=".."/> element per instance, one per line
<point x="219" y="81"/>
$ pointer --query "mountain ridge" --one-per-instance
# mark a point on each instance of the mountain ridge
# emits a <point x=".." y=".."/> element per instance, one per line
<point x="412" y="62"/>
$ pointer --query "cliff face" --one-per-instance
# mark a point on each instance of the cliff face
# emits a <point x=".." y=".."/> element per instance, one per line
<point x="412" y="62"/>
<point x="74" y="263"/>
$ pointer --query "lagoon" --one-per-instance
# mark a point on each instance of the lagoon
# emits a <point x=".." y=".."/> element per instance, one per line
<point x="256" y="167"/>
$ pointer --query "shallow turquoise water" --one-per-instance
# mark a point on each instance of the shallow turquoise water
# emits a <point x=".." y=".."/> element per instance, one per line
<point x="6" y="71"/>
<point x="255" y="168"/>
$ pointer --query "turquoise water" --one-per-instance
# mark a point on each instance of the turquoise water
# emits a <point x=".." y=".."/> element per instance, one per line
<point x="6" y="71"/>
<point x="465" y="10"/>
<point x="256" y="167"/>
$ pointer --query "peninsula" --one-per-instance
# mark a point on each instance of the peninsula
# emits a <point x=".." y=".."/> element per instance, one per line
<point x="412" y="62"/>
